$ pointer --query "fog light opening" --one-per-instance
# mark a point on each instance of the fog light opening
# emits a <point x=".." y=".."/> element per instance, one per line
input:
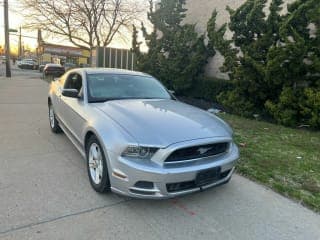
<point x="144" y="184"/>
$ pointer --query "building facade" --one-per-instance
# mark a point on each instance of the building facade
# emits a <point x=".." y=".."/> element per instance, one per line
<point x="62" y="54"/>
<point x="199" y="12"/>
<point x="55" y="53"/>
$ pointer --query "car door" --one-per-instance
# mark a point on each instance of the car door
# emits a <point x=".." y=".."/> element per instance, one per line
<point x="56" y="90"/>
<point x="72" y="109"/>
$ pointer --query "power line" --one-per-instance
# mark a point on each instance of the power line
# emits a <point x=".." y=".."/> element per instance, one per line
<point x="23" y="35"/>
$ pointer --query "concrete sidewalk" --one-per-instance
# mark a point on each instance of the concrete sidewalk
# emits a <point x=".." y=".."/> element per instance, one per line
<point x="45" y="192"/>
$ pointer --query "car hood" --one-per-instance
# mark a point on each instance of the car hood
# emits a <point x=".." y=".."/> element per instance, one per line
<point x="164" y="122"/>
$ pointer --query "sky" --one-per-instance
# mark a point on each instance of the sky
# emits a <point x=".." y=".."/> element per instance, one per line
<point x="16" y="20"/>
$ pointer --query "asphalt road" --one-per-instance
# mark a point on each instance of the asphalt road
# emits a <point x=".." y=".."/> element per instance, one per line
<point x="45" y="192"/>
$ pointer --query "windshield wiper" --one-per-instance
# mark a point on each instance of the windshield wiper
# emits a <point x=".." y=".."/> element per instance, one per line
<point x="144" y="98"/>
<point x="103" y="100"/>
<point x="123" y="98"/>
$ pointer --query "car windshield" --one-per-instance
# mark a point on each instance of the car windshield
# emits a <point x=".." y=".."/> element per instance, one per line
<point x="104" y="87"/>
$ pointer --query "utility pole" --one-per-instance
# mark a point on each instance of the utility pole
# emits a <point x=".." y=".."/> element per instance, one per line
<point x="20" y="44"/>
<point x="6" y="34"/>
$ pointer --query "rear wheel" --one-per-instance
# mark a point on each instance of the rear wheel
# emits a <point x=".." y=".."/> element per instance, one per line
<point x="97" y="166"/>
<point x="54" y="125"/>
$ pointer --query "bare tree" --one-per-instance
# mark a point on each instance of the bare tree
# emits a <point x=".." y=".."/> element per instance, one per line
<point x="85" y="23"/>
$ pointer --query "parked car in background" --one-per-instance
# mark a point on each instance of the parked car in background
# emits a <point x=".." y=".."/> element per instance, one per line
<point x="3" y="59"/>
<point x="18" y="62"/>
<point x="137" y="138"/>
<point x="54" y="70"/>
<point x="84" y="65"/>
<point x="68" y="66"/>
<point x="42" y="65"/>
<point x="28" y="64"/>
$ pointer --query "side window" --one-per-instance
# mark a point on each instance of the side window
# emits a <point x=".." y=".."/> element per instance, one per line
<point x="74" y="81"/>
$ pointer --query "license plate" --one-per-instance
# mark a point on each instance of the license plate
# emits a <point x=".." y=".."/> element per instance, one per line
<point x="207" y="176"/>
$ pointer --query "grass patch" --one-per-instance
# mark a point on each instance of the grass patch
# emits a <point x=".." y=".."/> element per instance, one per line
<point x="285" y="159"/>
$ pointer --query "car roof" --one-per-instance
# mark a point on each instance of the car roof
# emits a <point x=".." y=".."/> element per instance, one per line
<point x="53" y="65"/>
<point x="111" y="71"/>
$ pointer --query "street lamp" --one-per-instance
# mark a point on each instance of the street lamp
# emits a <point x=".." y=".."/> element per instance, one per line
<point x="11" y="30"/>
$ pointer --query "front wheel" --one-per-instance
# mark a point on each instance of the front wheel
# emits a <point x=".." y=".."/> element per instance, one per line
<point x="97" y="166"/>
<point x="54" y="125"/>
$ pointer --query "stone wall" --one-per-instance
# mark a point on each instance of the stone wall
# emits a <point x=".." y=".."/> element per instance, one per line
<point x="199" y="12"/>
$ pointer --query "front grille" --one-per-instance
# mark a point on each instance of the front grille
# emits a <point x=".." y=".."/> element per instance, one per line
<point x="181" y="186"/>
<point x="195" y="152"/>
<point x="176" y="187"/>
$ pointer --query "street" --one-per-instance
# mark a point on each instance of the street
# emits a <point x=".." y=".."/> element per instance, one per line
<point x="45" y="192"/>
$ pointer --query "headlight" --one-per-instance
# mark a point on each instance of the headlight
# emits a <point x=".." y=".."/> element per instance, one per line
<point x="139" y="152"/>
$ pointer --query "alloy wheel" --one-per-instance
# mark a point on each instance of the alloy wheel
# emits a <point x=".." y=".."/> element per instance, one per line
<point x="95" y="163"/>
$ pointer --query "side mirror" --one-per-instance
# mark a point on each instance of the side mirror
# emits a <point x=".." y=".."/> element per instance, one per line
<point x="172" y="92"/>
<point x="73" y="93"/>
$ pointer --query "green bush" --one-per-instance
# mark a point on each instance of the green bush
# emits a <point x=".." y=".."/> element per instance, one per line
<point x="297" y="107"/>
<point x="236" y="103"/>
<point x="311" y="107"/>
<point x="209" y="88"/>
<point x="286" y="111"/>
<point x="178" y="55"/>
<point x="273" y="61"/>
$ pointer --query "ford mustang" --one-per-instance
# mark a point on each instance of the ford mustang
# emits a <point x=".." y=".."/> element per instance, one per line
<point x="137" y="138"/>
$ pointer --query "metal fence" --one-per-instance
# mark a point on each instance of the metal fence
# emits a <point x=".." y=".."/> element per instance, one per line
<point x="113" y="58"/>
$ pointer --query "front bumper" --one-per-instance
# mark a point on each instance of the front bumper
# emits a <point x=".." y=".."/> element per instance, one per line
<point x="126" y="174"/>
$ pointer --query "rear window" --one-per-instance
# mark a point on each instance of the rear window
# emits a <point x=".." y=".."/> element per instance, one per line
<point x="54" y="68"/>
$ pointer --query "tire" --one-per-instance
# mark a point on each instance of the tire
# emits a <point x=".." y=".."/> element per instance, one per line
<point x="97" y="166"/>
<point x="54" y="125"/>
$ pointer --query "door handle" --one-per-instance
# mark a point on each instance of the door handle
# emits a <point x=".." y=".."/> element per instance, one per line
<point x="59" y="92"/>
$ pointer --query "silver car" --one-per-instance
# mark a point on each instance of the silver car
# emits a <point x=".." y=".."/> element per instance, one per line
<point x="137" y="139"/>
